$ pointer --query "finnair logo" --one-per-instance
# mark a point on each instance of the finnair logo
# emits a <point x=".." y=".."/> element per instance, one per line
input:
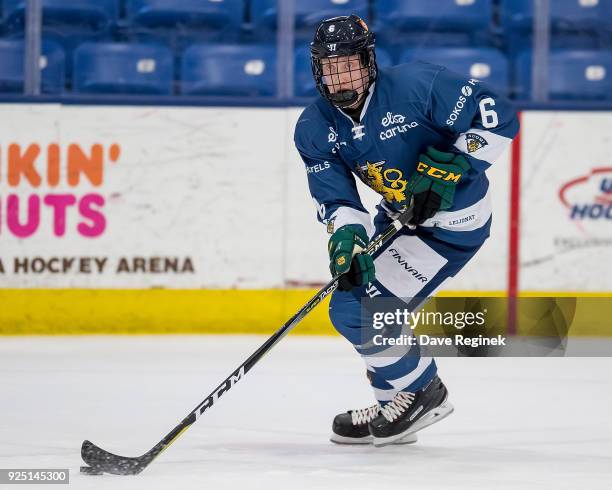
<point x="408" y="268"/>
<point x="358" y="132"/>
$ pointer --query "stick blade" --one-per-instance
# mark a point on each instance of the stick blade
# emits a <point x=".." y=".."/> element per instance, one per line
<point x="101" y="460"/>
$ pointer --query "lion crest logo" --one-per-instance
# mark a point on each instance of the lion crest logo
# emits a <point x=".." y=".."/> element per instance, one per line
<point x="387" y="182"/>
<point x="475" y="142"/>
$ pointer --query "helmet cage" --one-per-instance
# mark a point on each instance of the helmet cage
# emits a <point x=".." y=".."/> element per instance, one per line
<point x="344" y="98"/>
<point x="340" y="37"/>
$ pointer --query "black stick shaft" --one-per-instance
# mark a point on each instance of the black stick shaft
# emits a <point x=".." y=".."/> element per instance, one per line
<point x="246" y="366"/>
<point x="119" y="465"/>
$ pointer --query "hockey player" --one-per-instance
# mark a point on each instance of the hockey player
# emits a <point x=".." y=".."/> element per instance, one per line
<point x="420" y="135"/>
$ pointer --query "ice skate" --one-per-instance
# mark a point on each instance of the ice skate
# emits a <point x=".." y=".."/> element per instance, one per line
<point x="410" y="412"/>
<point x="352" y="427"/>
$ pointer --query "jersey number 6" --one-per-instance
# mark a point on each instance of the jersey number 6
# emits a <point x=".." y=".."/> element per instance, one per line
<point x="488" y="116"/>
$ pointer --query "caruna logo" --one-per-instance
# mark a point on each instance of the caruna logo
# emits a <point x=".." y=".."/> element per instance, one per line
<point x="589" y="197"/>
<point x="40" y="169"/>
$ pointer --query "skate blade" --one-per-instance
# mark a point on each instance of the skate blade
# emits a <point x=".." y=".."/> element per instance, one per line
<point x="351" y="441"/>
<point x="431" y="417"/>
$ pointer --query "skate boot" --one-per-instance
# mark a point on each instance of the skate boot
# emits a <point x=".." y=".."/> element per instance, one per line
<point x="352" y="427"/>
<point x="409" y="412"/>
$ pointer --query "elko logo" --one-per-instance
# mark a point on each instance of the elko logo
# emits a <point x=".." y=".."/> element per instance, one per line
<point x="332" y="136"/>
<point x="589" y="197"/>
<point x="399" y="127"/>
<point x="392" y="119"/>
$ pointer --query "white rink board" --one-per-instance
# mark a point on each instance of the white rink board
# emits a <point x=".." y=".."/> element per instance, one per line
<point x="558" y="252"/>
<point x="226" y="189"/>
<point x="190" y="182"/>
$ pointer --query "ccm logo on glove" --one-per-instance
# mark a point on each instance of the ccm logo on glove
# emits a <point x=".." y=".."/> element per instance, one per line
<point x="438" y="173"/>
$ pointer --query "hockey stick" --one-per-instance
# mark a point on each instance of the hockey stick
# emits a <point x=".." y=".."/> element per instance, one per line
<point x="101" y="461"/>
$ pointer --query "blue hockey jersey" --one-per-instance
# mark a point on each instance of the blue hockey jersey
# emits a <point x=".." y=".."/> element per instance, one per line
<point x="408" y="108"/>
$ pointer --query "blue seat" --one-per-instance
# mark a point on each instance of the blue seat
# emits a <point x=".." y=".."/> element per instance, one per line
<point x="123" y="68"/>
<point x="303" y="82"/>
<point x="564" y="14"/>
<point x="516" y="14"/>
<point x="52" y="63"/>
<point x="434" y="15"/>
<point x="99" y="13"/>
<point x="572" y="75"/>
<point x="229" y="69"/>
<point x="486" y="64"/>
<point x="214" y="14"/>
<point x="383" y="58"/>
<point x="308" y="13"/>
<point x="304" y="85"/>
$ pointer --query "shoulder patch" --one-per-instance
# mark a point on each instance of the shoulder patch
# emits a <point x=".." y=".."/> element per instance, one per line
<point x="474" y="142"/>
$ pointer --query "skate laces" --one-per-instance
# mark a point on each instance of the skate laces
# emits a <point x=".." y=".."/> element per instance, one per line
<point x="365" y="415"/>
<point x="398" y="405"/>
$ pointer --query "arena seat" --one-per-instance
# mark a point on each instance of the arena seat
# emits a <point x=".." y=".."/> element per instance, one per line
<point x="383" y="58"/>
<point x="304" y="85"/>
<point x="123" y="68"/>
<point x="307" y="12"/>
<point x="52" y="63"/>
<point x="229" y="69"/>
<point x="215" y="14"/>
<point x="434" y="15"/>
<point x="572" y="75"/>
<point x="97" y="13"/>
<point x="564" y="14"/>
<point x="303" y="82"/>
<point x="486" y="64"/>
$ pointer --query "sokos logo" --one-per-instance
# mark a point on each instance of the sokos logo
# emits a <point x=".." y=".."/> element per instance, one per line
<point x="466" y="91"/>
<point x="398" y="120"/>
<point x="589" y="198"/>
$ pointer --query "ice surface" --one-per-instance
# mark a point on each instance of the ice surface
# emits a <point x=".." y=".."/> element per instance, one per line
<point x="518" y="423"/>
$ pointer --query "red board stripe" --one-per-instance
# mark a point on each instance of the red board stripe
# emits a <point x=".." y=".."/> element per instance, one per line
<point x="514" y="232"/>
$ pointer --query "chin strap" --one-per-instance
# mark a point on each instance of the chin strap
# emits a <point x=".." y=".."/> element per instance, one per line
<point x="344" y="98"/>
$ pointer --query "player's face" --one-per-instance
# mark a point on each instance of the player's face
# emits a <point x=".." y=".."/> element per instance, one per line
<point x="345" y="73"/>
